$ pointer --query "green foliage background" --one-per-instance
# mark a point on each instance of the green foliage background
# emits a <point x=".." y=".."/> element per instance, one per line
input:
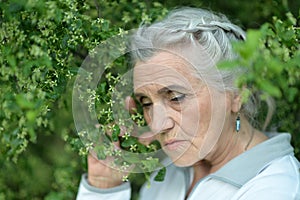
<point x="43" y="43"/>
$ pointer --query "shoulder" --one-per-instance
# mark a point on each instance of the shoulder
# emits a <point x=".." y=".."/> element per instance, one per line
<point x="279" y="179"/>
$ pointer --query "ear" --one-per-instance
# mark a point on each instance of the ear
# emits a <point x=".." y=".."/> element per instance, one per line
<point x="236" y="102"/>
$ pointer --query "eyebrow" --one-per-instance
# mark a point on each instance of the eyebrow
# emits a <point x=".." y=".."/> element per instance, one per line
<point x="177" y="88"/>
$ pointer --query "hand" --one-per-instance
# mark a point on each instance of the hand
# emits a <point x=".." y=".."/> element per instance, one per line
<point x="147" y="137"/>
<point x="100" y="172"/>
<point x="102" y="175"/>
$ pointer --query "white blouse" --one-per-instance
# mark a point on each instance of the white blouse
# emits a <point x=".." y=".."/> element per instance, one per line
<point x="267" y="171"/>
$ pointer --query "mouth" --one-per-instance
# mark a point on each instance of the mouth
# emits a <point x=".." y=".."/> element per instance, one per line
<point x="173" y="144"/>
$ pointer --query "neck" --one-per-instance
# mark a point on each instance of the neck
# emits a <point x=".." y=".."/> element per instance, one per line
<point x="229" y="146"/>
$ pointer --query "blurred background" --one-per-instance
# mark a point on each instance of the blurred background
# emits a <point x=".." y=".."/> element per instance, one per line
<point x="43" y="43"/>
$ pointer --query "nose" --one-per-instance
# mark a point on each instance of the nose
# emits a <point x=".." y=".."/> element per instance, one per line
<point x="161" y="120"/>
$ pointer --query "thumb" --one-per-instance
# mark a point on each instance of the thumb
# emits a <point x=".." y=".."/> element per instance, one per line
<point x="130" y="105"/>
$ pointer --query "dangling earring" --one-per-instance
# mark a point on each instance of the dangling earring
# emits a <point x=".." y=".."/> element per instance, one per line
<point x="238" y="122"/>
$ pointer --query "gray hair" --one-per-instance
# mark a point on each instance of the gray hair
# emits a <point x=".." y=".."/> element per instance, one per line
<point x="207" y="33"/>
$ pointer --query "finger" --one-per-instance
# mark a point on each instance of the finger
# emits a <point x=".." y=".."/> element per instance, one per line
<point x="130" y="105"/>
<point x="92" y="158"/>
<point x="94" y="161"/>
<point x="109" y="129"/>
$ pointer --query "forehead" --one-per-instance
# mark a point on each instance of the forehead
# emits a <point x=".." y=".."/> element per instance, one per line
<point x="165" y="69"/>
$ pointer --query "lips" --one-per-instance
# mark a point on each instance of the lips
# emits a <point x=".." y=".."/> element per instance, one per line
<point x="173" y="144"/>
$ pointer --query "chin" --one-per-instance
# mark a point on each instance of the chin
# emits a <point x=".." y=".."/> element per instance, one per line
<point x="182" y="161"/>
<point x="182" y="158"/>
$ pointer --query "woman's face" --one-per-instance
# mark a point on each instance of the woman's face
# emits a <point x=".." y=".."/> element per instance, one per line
<point x="187" y="117"/>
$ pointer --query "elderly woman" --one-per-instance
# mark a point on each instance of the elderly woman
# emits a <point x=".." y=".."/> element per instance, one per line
<point x="195" y="111"/>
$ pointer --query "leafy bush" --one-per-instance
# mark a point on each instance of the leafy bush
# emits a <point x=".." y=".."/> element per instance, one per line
<point x="43" y="43"/>
<point x="272" y="58"/>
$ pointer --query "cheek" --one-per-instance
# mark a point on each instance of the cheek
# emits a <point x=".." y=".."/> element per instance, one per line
<point x="196" y="118"/>
<point x="146" y="113"/>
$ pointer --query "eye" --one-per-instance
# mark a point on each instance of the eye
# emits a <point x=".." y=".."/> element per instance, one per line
<point x="145" y="102"/>
<point x="176" y="96"/>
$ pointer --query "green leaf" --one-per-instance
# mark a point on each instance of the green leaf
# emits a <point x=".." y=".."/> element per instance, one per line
<point x="12" y="61"/>
<point x="100" y="152"/>
<point x="132" y="158"/>
<point x="151" y="164"/>
<point x="293" y="91"/>
<point x="23" y="102"/>
<point x="31" y="115"/>
<point x="228" y="64"/>
<point x="248" y="48"/>
<point x="32" y="134"/>
<point x="269" y="88"/>
<point x="115" y="133"/>
<point x="128" y="142"/>
<point x="161" y="175"/>
<point x="275" y="66"/>
<point x="141" y="148"/>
